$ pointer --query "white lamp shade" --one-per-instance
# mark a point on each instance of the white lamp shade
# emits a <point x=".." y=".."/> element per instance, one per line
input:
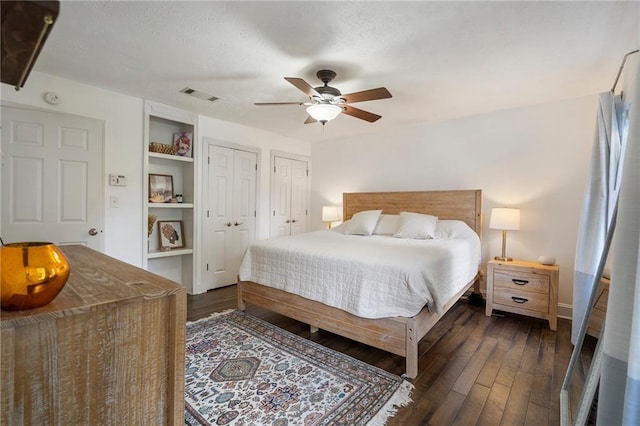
<point x="330" y="213"/>
<point x="505" y="219"/>
<point x="324" y="112"/>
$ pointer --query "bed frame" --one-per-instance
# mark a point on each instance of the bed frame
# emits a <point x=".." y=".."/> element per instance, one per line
<point x="398" y="335"/>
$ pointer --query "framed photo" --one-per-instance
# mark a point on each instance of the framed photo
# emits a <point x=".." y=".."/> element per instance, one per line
<point x="182" y="143"/>
<point x="160" y="188"/>
<point x="171" y="235"/>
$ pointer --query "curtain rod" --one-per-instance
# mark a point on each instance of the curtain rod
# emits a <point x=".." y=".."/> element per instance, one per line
<point x="613" y="89"/>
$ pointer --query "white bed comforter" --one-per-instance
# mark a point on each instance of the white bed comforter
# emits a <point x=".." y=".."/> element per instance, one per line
<point x="371" y="276"/>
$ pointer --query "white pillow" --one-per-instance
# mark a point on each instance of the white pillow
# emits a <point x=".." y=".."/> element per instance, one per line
<point x="361" y="223"/>
<point x="387" y="224"/>
<point x="448" y="229"/>
<point x="417" y="226"/>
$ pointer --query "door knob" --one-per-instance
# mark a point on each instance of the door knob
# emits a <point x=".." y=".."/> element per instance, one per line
<point x="287" y="221"/>
<point x="93" y="232"/>
<point x="237" y="224"/>
<point x="227" y="224"/>
<point x="293" y="221"/>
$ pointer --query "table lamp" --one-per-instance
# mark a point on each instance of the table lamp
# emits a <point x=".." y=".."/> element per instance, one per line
<point x="506" y="220"/>
<point x="330" y="214"/>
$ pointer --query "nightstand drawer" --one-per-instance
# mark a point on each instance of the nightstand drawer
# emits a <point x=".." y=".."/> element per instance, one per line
<point x="532" y="301"/>
<point x="513" y="280"/>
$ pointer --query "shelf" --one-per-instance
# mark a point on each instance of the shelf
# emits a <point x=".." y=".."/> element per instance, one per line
<point x="170" y="157"/>
<point x="170" y="205"/>
<point x="161" y="124"/>
<point x="168" y="253"/>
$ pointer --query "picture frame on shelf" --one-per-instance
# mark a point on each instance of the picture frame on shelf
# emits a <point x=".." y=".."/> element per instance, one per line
<point x="182" y="143"/>
<point x="171" y="234"/>
<point x="160" y="188"/>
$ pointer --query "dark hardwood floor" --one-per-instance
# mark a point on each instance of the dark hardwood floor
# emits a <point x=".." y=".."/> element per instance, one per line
<point x="474" y="370"/>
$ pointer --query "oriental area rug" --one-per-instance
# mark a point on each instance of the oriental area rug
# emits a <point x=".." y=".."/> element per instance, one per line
<point x="241" y="370"/>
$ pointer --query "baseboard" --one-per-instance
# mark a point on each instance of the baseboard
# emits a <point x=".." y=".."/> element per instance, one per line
<point x="565" y="311"/>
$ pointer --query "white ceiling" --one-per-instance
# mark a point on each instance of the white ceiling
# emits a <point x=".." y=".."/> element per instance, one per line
<point x="440" y="60"/>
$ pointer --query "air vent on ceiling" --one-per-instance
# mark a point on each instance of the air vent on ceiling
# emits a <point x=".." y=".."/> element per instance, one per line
<point x="199" y="94"/>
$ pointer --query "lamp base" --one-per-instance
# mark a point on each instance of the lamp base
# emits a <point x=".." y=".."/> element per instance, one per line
<point x="504" y="259"/>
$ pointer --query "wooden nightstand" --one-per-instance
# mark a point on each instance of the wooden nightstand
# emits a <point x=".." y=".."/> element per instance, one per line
<point x="526" y="288"/>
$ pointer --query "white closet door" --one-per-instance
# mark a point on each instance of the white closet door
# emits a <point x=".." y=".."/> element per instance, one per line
<point x="299" y="196"/>
<point x="281" y="198"/>
<point x="51" y="178"/>
<point x="230" y="213"/>
<point x="244" y="207"/>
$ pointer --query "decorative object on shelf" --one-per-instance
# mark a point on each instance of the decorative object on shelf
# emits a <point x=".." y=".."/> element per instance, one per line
<point x="171" y="235"/>
<point x="330" y="214"/>
<point x="33" y="273"/>
<point x="179" y="198"/>
<point x="504" y="219"/>
<point x="182" y="144"/>
<point x="161" y="148"/>
<point x="151" y="222"/>
<point x="160" y="188"/>
<point x="547" y="260"/>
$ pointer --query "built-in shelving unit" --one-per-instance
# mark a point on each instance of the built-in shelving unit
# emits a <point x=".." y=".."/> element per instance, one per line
<point x="161" y="125"/>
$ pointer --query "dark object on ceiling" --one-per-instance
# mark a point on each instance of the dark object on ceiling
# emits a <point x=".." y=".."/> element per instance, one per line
<point x="326" y="102"/>
<point x="25" y="27"/>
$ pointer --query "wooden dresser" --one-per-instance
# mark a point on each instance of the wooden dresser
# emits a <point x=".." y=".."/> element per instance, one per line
<point x="110" y="349"/>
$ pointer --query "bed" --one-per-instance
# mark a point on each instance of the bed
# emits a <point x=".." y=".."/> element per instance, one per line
<point x="398" y="334"/>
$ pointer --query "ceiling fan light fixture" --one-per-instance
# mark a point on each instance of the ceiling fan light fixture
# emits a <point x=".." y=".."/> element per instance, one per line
<point x="324" y="112"/>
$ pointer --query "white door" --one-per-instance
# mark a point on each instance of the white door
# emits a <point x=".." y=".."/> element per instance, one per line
<point x="299" y="196"/>
<point x="52" y="178"/>
<point x="230" y="213"/>
<point x="289" y="197"/>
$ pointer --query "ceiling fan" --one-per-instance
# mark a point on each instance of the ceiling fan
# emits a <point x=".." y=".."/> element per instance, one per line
<point x="326" y="102"/>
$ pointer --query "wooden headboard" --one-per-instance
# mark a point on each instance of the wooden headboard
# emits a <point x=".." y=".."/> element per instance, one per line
<point x="464" y="205"/>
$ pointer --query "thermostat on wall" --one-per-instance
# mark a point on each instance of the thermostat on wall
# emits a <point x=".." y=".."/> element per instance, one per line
<point x="117" y="180"/>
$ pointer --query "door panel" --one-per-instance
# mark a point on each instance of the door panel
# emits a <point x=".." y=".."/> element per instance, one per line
<point x="281" y="198"/>
<point x="73" y="190"/>
<point x="244" y="208"/>
<point x="289" y="197"/>
<point x="25" y="207"/>
<point x="230" y="219"/>
<point x="52" y="177"/>
<point x="299" y="194"/>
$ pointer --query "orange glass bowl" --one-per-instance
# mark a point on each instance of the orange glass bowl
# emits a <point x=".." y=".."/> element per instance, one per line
<point x="32" y="275"/>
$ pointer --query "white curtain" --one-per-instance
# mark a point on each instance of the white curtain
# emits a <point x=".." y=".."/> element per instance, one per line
<point x="601" y="195"/>
<point x="619" y="395"/>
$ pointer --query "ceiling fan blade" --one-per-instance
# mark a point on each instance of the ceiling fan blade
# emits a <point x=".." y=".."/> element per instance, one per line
<point x="367" y="95"/>
<point x="303" y="86"/>
<point x="361" y="114"/>
<point x="310" y="120"/>
<point x="278" y="103"/>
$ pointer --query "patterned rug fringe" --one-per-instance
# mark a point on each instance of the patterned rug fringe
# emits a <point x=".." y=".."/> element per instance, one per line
<point x="401" y="398"/>
<point x="213" y="315"/>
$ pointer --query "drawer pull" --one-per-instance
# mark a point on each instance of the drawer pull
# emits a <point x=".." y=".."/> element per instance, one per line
<point x="519" y="282"/>
<point x="519" y="299"/>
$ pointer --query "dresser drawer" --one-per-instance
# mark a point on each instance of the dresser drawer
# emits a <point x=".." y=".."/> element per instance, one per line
<point x="529" y="300"/>
<point x="504" y="281"/>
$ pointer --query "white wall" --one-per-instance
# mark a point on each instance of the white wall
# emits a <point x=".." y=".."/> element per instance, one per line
<point x="123" y="122"/>
<point x="534" y="158"/>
